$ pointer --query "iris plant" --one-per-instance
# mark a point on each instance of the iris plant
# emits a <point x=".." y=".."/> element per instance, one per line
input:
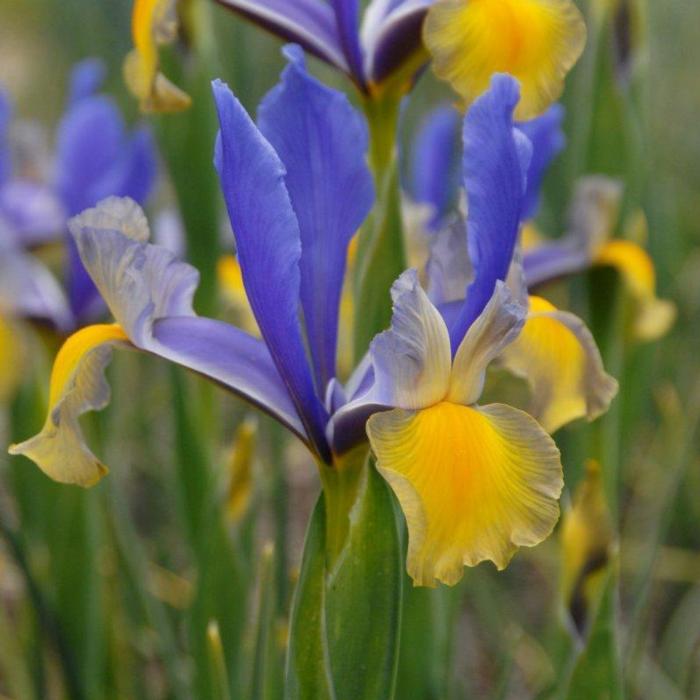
<point x="474" y="481"/>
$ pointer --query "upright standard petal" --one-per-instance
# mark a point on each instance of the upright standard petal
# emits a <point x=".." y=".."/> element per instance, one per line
<point x="86" y="79"/>
<point x="495" y="162"/>
<point x="77" y="386"/>
<point x="547" y="139"/>
<point x="150" y="293"/>
<point x="322" y="142"/>
<point x="307" y="22"/>
<point x="473" y="483"/>
<point x="435" y="163"/>
<point x="269" y="249"/>
<point x="537" y="41"/>
<point x="559" y="358"/>
<point x="153" y="22"/>
<point x="5" y="118"/>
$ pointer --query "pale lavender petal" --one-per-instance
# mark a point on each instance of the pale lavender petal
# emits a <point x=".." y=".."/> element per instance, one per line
<point x="5" y="118"/>
<point x="32" y="212"/>
<point x="268" y="246"/>
<point x="322" y="142"/>
<point x="311" y="23"/>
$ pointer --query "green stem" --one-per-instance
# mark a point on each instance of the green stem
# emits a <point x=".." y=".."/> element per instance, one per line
<point x="381" y="256"/>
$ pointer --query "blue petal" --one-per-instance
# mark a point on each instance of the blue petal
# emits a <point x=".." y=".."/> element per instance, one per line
<point x="322" y="142"/>
<point x="547" y="140"/>
<point x="434" y="167"/>
<point x="495" y="161"/>
<point x="86" y="79"/>
<point x="347" y="19"/>
<point x="269" y="249"/>
<point x="5" y="118"/>
<point x="308" y="22"/>
<point x="96" y="158"/>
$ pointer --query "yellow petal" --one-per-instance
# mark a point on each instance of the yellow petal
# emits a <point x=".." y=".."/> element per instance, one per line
<point x="473" y="483"/>
<point x="77" y="386"/>
<point x="536" y="41"/>
<point x="231" y="284"/>
<point x="586" y="539"/>
<point x="11" y="358"/>
<point x="654" y="317"/>
<point x="557" y="355"/>
<point x="153" y="22"/>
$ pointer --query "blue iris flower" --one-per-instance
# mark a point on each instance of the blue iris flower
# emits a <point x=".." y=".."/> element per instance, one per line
<point x="95" y="156"/>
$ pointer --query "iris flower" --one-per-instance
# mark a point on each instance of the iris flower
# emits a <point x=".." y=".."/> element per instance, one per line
<point x="538" y="41"/>
<point x="474" y="482"/>
<point x="95" y="156"/>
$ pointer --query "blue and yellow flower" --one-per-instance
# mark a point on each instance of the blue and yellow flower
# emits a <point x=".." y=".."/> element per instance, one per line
<point x="474" y="482"/>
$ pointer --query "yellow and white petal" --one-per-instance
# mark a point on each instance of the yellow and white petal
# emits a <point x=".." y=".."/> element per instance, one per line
<point x="559" y="358"/>
<point x="496" y="327"/>
<point x="654" y="317"/>
<point x="536" y="41"/>
<point x="412" y="360"/>
<point x="77" y="386"/>
<point x="11" y="358"/>
<point x="153" y="22"/>
<point x="473" y="483"/>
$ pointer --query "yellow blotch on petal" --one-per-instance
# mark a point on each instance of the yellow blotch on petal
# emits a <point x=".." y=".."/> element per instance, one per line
<point x="473" y="483"/>
<point x="654" y="317"/>
<point x="587" y="540"/>
<point x="153" y="23"/>
<point x="536" y="41"/>
<point x="231" y="284"/>
<point x="11" y="358"/>
<point x="77" y="386"/>
<point x="559" y="358"/>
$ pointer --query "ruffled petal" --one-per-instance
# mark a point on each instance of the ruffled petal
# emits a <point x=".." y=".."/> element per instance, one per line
<point x="559" y="358"/>
<point x="474" y="484"/>
<point x="653" y="316"/>
<point x="77" y="386"/>
<point x="322" y="141"/>
<point x="537" y="41"/>
<point x="496" y="328"/>
<point x="153" y="22"/>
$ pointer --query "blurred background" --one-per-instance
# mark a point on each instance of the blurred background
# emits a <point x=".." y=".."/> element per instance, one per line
<point x="172" y="578"/>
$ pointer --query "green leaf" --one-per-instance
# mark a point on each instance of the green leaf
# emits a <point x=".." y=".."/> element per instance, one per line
<point x="363" y="598"/>
<point x="307" y="671"/>
<point x="597" y="673"/>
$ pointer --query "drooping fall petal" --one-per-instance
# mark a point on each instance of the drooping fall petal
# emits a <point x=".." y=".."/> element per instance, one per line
<point x="473" y="483"/>
<point x="558" y="356"/>
<point x="536" y="41"/>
